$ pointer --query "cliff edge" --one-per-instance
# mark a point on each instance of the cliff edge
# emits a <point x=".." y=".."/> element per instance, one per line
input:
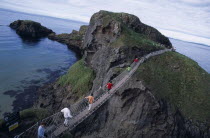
<point x="166" y="97"/>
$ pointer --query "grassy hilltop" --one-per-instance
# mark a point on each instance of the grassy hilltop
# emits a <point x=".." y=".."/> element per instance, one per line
<point x="179" y="80"/>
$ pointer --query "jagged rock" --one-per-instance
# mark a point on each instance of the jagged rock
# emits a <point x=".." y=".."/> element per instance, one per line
<point x="134" y="23"/>
<point x="30" y="29"/>
<point x="113" y="23"/>
<point x="134" y="111"/>
<point x="73" y="40"/>
<point x="106" y="47"/>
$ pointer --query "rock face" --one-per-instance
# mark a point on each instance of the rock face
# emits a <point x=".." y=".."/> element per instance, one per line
<point x="106" y="49"/>
<point x="73" y="40"/>
<point x="108" y="29"/>
<point x="133" y="111"/>
<point x="135" y="24"/>
<point x="98" y="53"/>
<point x="30" y="29"/>
<point x="111" y="25"/>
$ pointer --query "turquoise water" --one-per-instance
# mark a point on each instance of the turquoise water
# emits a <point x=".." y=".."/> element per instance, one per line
<point x="25" y="65"/>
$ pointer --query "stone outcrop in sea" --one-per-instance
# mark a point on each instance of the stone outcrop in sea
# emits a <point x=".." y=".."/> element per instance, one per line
<point x="30" y="29"/>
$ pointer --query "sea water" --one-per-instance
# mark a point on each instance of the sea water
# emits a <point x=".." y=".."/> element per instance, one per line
<point x="25" y="65"/>
<point x="198" y="52"/>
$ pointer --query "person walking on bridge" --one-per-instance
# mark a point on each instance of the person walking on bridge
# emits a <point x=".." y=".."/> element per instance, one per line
<point x="90" y="100"/>
<point x="109" y="86"/>
<point x="67" y="115"/>
<point x="41" y="131"/>
<point x="136" y="60"/>
<point x="128" y="68"/>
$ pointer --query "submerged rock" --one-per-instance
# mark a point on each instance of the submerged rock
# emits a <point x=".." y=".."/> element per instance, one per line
<point x="30" y="29"/>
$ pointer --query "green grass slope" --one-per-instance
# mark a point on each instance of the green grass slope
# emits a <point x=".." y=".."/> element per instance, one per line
<point x="179" y="80"/>
<point x="130" y="38"/>
<point x="79" y="77"/>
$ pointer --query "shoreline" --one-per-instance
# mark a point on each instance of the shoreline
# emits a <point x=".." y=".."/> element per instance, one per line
<point x="26" y="93"/>
<point x="26" y="98"/>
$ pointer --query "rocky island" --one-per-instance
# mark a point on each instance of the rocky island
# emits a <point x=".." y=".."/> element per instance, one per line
<point x="30" y="29"/>
<point x="168" y="95"/>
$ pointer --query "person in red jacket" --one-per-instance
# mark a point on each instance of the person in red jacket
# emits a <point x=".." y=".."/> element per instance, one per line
<point x="109" y="86"/>
<point x="136" y="60"/>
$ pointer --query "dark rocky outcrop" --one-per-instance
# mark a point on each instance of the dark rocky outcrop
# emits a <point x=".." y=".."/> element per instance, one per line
<point x="30" y="29"/>
<point x="135" y="24"/>
<point x="99" y="54"/>
<point x="123" y="31"/>
<point x="73" y="40"/>
<point x="110" y="43"/>
<point x="134" y="112"/>
<point x="113" y="25"/>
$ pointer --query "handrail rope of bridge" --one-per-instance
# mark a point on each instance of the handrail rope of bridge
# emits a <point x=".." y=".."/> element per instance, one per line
<point x="141" y="61"/>
<point x="79" y="107"/>
<point x="102" y="101"/>
<point x="98" y="106"/>
<point x="109" y="96"/>
<point x="145" y="57"/>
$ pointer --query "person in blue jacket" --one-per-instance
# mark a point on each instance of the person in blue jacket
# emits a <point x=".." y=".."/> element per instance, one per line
<point x="41" y="130"/>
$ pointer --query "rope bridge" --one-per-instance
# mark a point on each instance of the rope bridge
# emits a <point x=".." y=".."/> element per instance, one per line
<point x="54" y="123"/>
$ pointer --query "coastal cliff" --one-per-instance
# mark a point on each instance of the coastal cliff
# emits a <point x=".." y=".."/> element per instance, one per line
<point x="109" y="46"/>
<point x="166" y="97"/>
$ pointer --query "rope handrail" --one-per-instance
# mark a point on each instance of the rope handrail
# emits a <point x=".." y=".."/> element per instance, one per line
<point x="54" y="123"/>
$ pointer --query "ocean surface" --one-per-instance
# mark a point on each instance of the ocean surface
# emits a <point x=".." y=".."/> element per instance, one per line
<point x="198" y="52"/>
<point x="27" y="65"/>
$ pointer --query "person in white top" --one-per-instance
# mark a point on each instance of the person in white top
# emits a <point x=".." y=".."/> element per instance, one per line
<point x="67" y="115"/>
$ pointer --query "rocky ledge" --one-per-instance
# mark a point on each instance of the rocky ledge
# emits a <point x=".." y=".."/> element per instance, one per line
<point x="73" y="40"/>
<point x="30" y="29"/>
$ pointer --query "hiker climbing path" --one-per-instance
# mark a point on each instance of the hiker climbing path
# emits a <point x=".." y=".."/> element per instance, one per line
<point x="54" y="123"/>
